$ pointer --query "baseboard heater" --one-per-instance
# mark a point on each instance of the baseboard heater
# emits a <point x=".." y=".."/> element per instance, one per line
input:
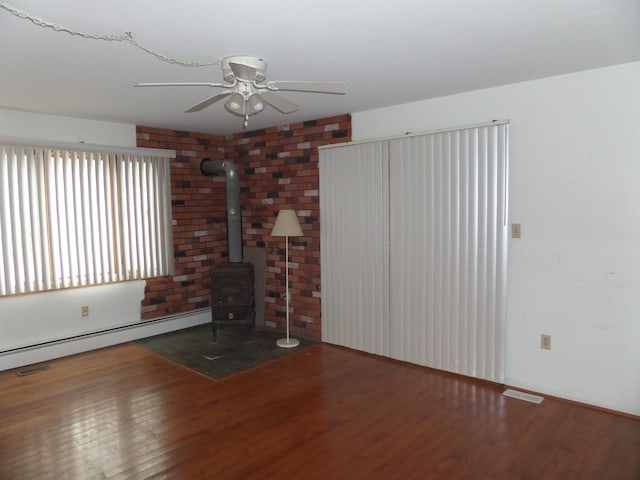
<point x="100" y="332"/>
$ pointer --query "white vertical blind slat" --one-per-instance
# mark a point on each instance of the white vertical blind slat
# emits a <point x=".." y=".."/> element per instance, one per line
<point x="83" y="220"/>
<point x="108" y="212"/>
<point x="91" y="200"/>
<point x="35" y="267"/>
<point x="147" y="246"/>
<point x="44" y="259"/>
<point x="116" y="208"/>
<point x="134" y="217"/>
<point x="5" y="263"/>
<point x="57" y="273"/>
<point x="140" y="227"/>
<point x="24" y="261"/>
<point x="167" y="239"/>
<point x="66" y="193"/>
<point x="155" y="198"/>
<point x="151" y="253"/>
<point x="94" y="198"/>
<point x="130" y="254"/>
<point x="79" y="224"/>
<point x="8" y="236"/>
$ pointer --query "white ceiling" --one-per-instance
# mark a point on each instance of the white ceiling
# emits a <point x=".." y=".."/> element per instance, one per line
<point x="389" y="52"/>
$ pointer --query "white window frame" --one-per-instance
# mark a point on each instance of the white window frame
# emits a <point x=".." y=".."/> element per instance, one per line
<point x="76" y="215"/>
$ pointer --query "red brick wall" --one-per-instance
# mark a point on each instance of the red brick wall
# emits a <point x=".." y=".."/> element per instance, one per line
<point x="199" y="231"/>
<point x="278" y="168"/>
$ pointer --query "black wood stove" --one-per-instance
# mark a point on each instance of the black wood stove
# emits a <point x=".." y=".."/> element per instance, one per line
<point x="232" y="296"/>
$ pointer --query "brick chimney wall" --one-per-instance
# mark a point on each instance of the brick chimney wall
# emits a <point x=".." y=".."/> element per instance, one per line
<point x="278" y="168"/>
<point x="199" y="224"/>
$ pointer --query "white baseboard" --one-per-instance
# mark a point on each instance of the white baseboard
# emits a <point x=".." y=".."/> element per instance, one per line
<point x="70" y="346"/>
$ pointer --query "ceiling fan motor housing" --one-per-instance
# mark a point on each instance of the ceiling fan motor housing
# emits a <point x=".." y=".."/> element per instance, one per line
<point x="258" y="64"/>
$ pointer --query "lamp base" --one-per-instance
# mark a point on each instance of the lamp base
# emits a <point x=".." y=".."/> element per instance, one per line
<point x="288" y="342"/>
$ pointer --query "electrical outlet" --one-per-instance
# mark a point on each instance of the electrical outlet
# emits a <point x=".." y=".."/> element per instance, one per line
<point x="84" y="310"/>
<point x="545" y="342"/>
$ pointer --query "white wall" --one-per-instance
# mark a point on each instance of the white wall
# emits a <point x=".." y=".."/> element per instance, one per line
<point x="15" y="123"/>
<point x="50" y="316"/>
<point x="575" y="188"/>
<point x="32" y="319"/>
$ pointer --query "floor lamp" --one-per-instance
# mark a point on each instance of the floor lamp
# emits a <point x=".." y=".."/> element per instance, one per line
<point x="287" y="226"/>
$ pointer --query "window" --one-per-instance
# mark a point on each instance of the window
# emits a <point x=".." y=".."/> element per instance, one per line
<point x="75" y="217"/>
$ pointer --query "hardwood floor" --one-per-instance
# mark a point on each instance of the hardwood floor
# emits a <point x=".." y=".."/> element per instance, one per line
<point x="323" y="412"/>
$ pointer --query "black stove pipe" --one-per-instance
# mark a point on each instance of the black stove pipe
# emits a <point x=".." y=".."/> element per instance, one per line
<point x="234" y="219"/>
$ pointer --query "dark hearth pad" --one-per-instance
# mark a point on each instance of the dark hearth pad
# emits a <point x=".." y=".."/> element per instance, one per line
<point x="236" y="348"/>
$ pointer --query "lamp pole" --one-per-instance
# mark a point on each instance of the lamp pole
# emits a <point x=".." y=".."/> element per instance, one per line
<point x="286" y="253"/>
<point x="287" y="225"/>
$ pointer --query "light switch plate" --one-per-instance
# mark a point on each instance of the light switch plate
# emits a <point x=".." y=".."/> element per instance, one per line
<point x="516" y="230"/>
<point x="545" y="342"/>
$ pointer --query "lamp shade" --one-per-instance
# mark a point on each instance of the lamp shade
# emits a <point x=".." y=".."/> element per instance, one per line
<point x="286" y="225"/>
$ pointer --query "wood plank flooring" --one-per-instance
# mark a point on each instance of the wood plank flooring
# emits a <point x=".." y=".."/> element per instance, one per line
<point x="320" y="413"/>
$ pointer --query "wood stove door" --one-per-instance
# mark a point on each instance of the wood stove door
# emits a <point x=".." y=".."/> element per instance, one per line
<point x="232" y="296"/>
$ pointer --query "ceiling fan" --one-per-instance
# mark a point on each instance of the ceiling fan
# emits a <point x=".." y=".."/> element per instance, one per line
<point x="247" y="90"/>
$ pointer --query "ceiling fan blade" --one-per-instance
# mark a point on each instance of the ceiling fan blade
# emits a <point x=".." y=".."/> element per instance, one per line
<point x="242" y="71"/>
<point x="187" y="84"/>
<point x="209" y="101"/>
<point x="281" y="104"/>
<point x="339" y="88"/>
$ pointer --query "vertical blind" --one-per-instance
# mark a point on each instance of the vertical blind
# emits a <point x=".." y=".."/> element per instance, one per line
<point x="354" y="231"/>
<point x="73" y="217"/>
<point x="444" y="209"/>
<point x="449" y="243"/>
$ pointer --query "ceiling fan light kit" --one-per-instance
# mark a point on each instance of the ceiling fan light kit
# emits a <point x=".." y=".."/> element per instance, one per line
<point x="239" y="105"/>
<point x="247" y="93"/>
